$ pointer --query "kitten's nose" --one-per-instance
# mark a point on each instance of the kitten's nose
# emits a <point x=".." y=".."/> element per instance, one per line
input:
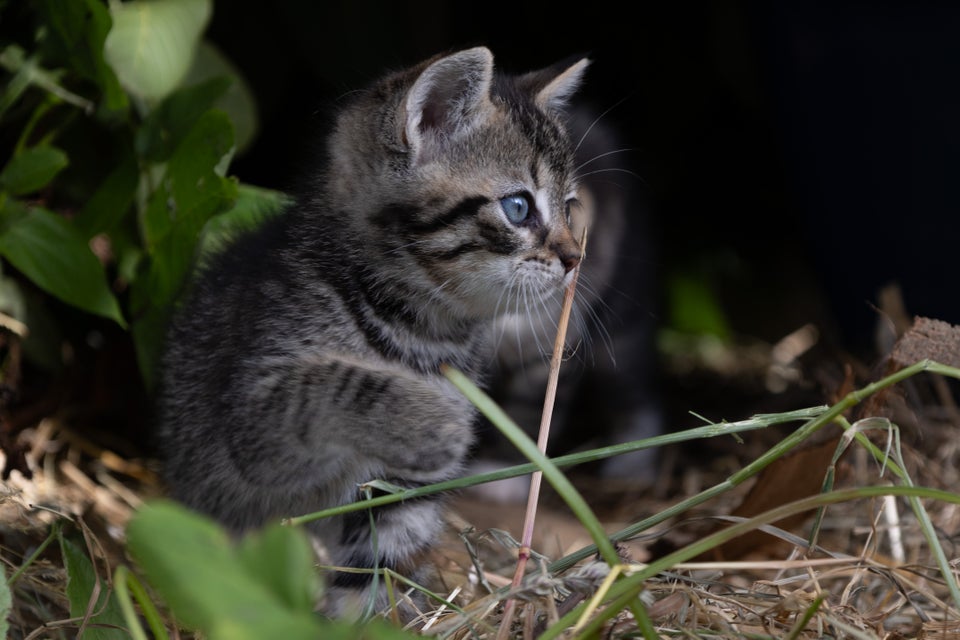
<point x="568" y="251"/>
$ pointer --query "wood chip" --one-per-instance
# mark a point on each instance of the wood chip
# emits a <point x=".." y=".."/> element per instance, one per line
<point x="928" y="339"/>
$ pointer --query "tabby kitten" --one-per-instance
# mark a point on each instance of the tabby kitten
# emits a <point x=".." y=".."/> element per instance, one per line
<point x="306" y="359"/>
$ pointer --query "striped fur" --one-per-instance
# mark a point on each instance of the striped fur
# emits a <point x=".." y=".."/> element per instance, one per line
<point x="305" y="360"/>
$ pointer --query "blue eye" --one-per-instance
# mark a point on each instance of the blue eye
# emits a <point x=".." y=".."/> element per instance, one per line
<point x="517" y="208"/>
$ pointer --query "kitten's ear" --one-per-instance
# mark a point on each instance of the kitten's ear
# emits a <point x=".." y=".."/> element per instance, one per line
<point x="552" y="87"/>
<point x="448" y="98"/>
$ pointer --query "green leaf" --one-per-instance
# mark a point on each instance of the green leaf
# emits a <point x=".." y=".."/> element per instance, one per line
<point x="238" y="101"/>
<point x="165" y="127"/>
<point x="190" y="193"/>
<point x="76" y="34"/>
<point x="281" y="560"/>
<point x="81" y="580"/>
<point x="152" y="44"/>
<point x="32" y="169"/>
<point x="111" y="201"/>
<point x="55" y="256"/>
<point x="192" y="563"/>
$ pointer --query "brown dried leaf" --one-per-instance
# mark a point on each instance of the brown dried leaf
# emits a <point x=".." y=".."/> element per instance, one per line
<point x="794" y="476"/>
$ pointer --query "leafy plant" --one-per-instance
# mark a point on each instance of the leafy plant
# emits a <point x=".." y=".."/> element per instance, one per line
<point x="263" y="586"/>
<point x="125" y="124"/>
<point x="90" y="598"/>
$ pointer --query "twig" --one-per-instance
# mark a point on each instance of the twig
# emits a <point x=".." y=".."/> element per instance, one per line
<point x="536" y="478"/>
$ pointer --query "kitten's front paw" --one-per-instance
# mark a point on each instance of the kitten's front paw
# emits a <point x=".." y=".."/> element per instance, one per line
<point x="351" y="605"/>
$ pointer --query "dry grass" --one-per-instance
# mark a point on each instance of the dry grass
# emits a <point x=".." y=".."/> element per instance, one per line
<point x="871" y="575"/>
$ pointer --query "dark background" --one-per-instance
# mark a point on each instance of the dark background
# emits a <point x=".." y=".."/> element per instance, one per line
<point x="801" y="155"/>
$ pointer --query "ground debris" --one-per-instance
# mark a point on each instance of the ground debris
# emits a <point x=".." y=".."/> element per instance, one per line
<point x="928" y="339"/>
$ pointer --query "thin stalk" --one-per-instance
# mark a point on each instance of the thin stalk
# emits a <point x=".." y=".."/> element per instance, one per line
<point x="54" y="532"/>
<point x="759" y="421"/>
<point x="758" y="465"/>
<point x="554" y="476"/>
<point x="543" y="437"/>
<point x="526" y="446"/>
<point x="808" y="614"/>
<point x="626" y="590"/>
<point x="926" y="525"/>
<point x="122" y="580"/>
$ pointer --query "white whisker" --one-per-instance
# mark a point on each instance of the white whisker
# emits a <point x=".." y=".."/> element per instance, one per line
<point x="599" y="156"/>
<point x="610" y="170"/>
<point x="595" y="121"/>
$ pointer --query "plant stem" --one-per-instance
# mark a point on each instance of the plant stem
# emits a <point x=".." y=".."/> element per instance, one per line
<point x="625" y="591"/>
<point x="760" y="421"/>
<point x="54" y="532"/>
<point x="543" y="437"/>
<point x="788" y="443"/>
<point x="526" y="446"/>
<point x="123" y="583"/>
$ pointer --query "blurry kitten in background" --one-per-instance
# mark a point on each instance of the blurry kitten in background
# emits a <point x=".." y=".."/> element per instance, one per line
<point x="607" y="390"/>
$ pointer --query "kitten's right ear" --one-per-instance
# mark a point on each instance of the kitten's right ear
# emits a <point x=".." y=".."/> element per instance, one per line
<point x="447" y="100"/>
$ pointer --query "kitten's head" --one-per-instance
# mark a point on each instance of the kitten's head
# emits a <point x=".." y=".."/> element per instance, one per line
<point x="461" y="180"/>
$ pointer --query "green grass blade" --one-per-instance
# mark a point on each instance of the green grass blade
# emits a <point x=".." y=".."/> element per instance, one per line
<point x="627" y="589"/>
<point x="528" y="448"/>
<point x="122" y="579"/>
<point x="791" y="441"/>
<point x="760" y="421"/>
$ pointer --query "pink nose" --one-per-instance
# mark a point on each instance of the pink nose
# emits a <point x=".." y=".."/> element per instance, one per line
<point x="569" y="254"/>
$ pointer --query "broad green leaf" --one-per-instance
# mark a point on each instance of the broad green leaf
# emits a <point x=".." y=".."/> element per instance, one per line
<point x="281" y="560"/>
<point x="192" y="563"/>
<point x="152" y="44"/>
<point x="76" y="34"/>
<point x="32" y="169"/>
<point x="191" y="192"/>
<point x="111" y="201"/>
<point x="55" y="256"/>
<point x="238" y="101"/>
<point x="81" y="580"/>
<point x="165" y="127"/>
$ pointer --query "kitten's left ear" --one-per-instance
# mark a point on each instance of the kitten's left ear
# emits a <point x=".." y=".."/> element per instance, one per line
<point x="552" y="87"/>
<point x="447" y="100"/>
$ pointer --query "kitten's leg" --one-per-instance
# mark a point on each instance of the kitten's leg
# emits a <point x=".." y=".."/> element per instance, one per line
<point x="394" y="537"/>
<point x="357" y="421"/>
